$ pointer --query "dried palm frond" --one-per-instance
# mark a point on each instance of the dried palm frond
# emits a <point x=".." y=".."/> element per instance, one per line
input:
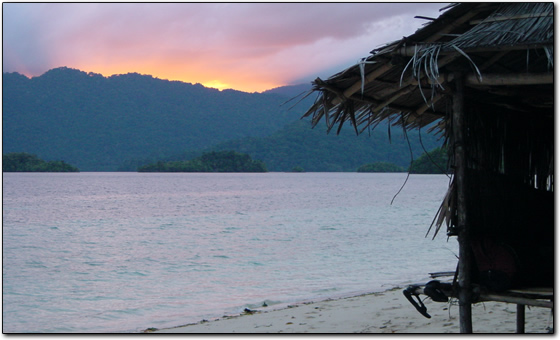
<point x="512" y="24"/>
<point x="549" y="50"/>
<point x="445" y="212"/>
<point x="479" y="76"/>
<point x="362" y="65"/>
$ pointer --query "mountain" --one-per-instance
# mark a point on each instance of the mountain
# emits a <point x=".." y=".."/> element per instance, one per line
<point x="98" y="122"/>
<point x="121" y="122"/>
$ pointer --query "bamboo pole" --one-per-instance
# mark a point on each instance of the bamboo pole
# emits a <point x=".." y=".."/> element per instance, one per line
<point x="498" y="79"/>
<point x="464" y="275"/>
<point x="411" y="50"/>
<point x="511" y="79"/>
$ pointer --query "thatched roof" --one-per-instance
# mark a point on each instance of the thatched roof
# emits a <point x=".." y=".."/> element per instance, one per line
<point x="504" y="54"/>
<point x="407" y="81"/>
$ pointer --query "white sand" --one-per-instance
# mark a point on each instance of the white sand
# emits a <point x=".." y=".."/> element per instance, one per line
<point x="387" y="312"/>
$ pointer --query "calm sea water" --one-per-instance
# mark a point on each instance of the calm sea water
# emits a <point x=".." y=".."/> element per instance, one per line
<point x="121" y="252"/>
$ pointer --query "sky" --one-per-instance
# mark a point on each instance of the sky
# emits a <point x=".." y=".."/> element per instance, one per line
<point x="249" y="47"/>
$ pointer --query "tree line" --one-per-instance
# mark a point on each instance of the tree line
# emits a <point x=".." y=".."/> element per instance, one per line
<point x="433" y="162"/>
<point x="24" y="162"/>
<point x="215" y="161"/>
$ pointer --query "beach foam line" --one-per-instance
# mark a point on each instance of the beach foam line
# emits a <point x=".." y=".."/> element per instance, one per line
<point x="380" y="312"/>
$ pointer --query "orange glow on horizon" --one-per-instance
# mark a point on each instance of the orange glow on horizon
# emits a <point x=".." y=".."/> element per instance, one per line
<point x="216" y="84"/>
<point x="245" y="83"/>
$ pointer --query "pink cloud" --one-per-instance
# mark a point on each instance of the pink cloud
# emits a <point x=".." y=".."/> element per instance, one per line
<point x="247" y="46"/>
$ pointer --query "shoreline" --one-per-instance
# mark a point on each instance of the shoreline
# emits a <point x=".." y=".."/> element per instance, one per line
<point x="377" y="312"/>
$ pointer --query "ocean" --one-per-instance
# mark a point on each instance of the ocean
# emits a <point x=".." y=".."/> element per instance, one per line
<point x="123" y="252"/>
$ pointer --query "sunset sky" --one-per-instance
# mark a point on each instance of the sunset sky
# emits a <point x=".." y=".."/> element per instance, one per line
<point x="245" y="46"/>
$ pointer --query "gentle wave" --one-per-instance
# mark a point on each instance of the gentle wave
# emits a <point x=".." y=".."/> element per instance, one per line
<point x="121" y="252"/>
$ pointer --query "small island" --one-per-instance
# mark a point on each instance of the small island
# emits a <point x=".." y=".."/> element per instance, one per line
<point x="380" y="167"/>
<point x="215" y="161"/>
<point x="297" y="168"/>
<point x="24" y="162"/>
<point x="433" y="162"/>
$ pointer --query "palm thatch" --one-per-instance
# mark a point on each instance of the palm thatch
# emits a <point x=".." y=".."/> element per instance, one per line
<point x="513" y="42"/>
<point x="504" y="54"/>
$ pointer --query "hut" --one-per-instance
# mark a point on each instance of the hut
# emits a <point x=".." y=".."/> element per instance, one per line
<point x="480" y="75"/>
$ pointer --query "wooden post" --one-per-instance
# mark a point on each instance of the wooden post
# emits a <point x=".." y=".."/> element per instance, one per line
<point x="464" y="275"/>
<point x="520" y="319"/>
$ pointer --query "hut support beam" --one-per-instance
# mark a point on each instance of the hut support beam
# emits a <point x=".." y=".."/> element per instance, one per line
<point x="411" y="50"/>
<point x="514" y="79"/>
<point x="464" y="277"/>
<point x="498" y="79"/>
<point x="520" y="319"/>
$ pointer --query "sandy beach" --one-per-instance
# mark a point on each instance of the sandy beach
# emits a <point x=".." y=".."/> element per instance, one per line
<point x="385" y="312"/>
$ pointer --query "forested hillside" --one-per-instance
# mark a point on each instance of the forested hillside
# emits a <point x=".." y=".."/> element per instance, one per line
<point x="125" y="121"/>
<point x="298" y="145"/>
<point x="313" y="150"/>
<point x="98" y="122"/>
